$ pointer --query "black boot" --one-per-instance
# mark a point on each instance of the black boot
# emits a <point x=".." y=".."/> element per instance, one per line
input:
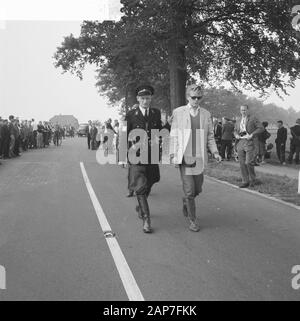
<point x="144" y="208"/>
<point x="130" y="193"/>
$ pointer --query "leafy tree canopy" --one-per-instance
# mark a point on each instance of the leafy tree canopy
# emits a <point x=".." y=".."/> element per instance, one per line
<point x="167" y="43"/>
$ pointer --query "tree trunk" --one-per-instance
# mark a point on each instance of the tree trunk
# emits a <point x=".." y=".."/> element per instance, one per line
<point x="177" y="59"/>
<point x="178" y="74"/>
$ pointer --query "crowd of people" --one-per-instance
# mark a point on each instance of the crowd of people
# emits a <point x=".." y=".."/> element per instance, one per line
<point x="226" y="141"/>
<point x="19" y="136"/>
<point x="97" y="132"/>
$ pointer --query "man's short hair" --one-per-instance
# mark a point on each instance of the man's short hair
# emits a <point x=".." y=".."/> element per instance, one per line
<point x="265" y="124"/>
<point x="193" y="88"/>
<point x="244" y="105"/>
<point x="280" y="122"/>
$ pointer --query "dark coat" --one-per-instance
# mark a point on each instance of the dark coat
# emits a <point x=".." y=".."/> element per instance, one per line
<point x="281" y="136"/>
<point x="143" y="176"/>
<point x="295" y="131"/>
<point x="218" y="131"/>
<point x="136" y="120"/>
<point x="227" y="131"/>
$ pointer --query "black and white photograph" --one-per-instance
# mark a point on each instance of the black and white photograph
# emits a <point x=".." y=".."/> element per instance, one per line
<point x="149" y="152"/>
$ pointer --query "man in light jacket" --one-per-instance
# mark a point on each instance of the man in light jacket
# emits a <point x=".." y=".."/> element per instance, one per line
<point x="192" y="134"/>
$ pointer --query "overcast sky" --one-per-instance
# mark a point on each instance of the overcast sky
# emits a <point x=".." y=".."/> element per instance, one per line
<point x="30" y="86"/>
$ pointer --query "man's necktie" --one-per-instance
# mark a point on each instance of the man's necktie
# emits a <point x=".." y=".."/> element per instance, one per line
<point x="146" y="114"/>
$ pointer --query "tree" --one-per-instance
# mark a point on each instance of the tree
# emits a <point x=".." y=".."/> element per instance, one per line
<point x="124" y="60"/>
<point x="251" y="44"/>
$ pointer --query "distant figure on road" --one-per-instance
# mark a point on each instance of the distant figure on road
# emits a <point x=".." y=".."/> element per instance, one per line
<point x="88" y="133"/>
<point x="93" y="134"/>
<point x="186" y="148"/>
<point x="295" y="143"/>
<point x="281" y="142"/>
<point x="142" y="176"/>
<point x="246" y="129"/>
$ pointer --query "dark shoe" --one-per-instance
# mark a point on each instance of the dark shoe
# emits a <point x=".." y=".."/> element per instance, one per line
<point x="244" y="185"/>
<point x="130" y="194"/>
<point x="144" y="208"/>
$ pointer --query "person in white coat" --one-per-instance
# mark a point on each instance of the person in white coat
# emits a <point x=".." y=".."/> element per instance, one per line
<point x="192" y="134"/>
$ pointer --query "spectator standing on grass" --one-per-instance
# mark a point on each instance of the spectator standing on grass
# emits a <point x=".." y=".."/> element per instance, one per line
<point x="281" y="142"/>
<point x="227" y="137"/>
<point x="218" y="133"/>
<point x="262" y="140"/>
<point x="246" y="129"/>
<point x="295" y="143"/>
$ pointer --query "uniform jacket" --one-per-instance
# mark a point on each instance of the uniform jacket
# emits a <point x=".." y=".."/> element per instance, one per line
<point x="136" y="120"/>
<point x="181" y="132"/>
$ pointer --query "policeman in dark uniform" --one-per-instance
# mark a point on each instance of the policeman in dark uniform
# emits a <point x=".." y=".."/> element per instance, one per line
<point x="143" y="175"/>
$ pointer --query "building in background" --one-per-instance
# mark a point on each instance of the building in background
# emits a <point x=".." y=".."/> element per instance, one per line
<point x="65" y="121"/>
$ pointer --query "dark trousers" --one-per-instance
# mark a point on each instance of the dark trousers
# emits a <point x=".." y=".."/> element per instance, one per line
<point x="5" y="147"/>
<point x="141" y="178"/>
<point x="89" y="140"/>
<point x="226" y="146"/>
<point x="294" y="149"/>
<point x="280" y="149"/>
<point x="17" y="146"/>
<point x="34" y="142"/>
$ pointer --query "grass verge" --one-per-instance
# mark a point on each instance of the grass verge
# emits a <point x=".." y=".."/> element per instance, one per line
<point x="281" y="187"/>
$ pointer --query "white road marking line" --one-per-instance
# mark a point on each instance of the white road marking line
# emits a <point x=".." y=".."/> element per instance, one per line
<point x="128" y="280"/>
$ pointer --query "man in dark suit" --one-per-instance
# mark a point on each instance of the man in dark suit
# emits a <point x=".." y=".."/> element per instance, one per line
<point x="246" y="129"/>
<point x="142" y="175"/>
<point x="227" y="137"/>
<point x="281" y="141"/>
<point x="5" y="139"/>
<point x="88" y="133"/>
<point x="218" y="133"/>
<point x="295" y="142"/>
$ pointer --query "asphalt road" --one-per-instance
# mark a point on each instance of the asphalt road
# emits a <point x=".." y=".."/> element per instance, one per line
<point x="53" y="248"/>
